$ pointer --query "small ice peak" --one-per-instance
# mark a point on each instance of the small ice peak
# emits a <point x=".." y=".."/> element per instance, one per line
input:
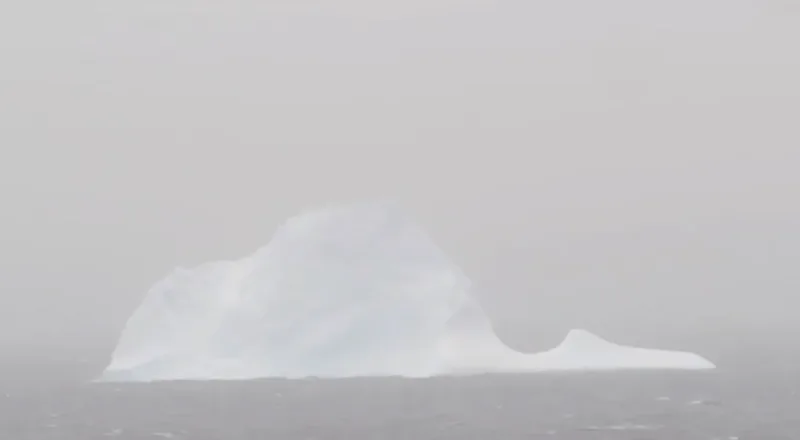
<point x="583" y="340"/>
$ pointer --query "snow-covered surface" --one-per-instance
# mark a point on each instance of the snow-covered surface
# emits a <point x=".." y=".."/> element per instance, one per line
<point x="341" y="292"/>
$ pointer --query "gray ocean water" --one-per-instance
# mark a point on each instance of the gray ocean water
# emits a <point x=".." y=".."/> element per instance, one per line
<point x="652" y="405"/>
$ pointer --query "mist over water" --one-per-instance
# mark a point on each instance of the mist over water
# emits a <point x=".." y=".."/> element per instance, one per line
<point x="622" y="167"/>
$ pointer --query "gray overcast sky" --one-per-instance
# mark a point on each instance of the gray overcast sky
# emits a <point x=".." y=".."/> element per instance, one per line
<point x="622" y="165"/>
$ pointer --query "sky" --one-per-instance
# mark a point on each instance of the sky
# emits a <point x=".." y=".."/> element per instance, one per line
<point x="624" y="166"/>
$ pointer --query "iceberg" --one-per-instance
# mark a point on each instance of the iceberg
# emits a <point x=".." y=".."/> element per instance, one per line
<point x="348" y="291"/>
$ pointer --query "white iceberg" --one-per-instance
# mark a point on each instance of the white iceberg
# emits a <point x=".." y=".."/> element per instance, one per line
<point x="342" y="292"/>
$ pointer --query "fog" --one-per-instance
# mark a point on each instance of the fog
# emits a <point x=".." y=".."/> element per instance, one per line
<point x="628" y="167"/>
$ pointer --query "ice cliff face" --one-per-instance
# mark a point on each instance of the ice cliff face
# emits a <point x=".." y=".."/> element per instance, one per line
<point x="341" y="292"/>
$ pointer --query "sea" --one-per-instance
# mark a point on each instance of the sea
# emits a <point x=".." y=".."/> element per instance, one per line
<point x="711" y="405"/>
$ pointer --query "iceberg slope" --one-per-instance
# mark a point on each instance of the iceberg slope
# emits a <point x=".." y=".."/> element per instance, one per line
<point x="349" y="291"/>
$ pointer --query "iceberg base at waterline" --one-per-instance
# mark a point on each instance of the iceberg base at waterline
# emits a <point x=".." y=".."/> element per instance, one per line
<point x="349" y="291"/>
